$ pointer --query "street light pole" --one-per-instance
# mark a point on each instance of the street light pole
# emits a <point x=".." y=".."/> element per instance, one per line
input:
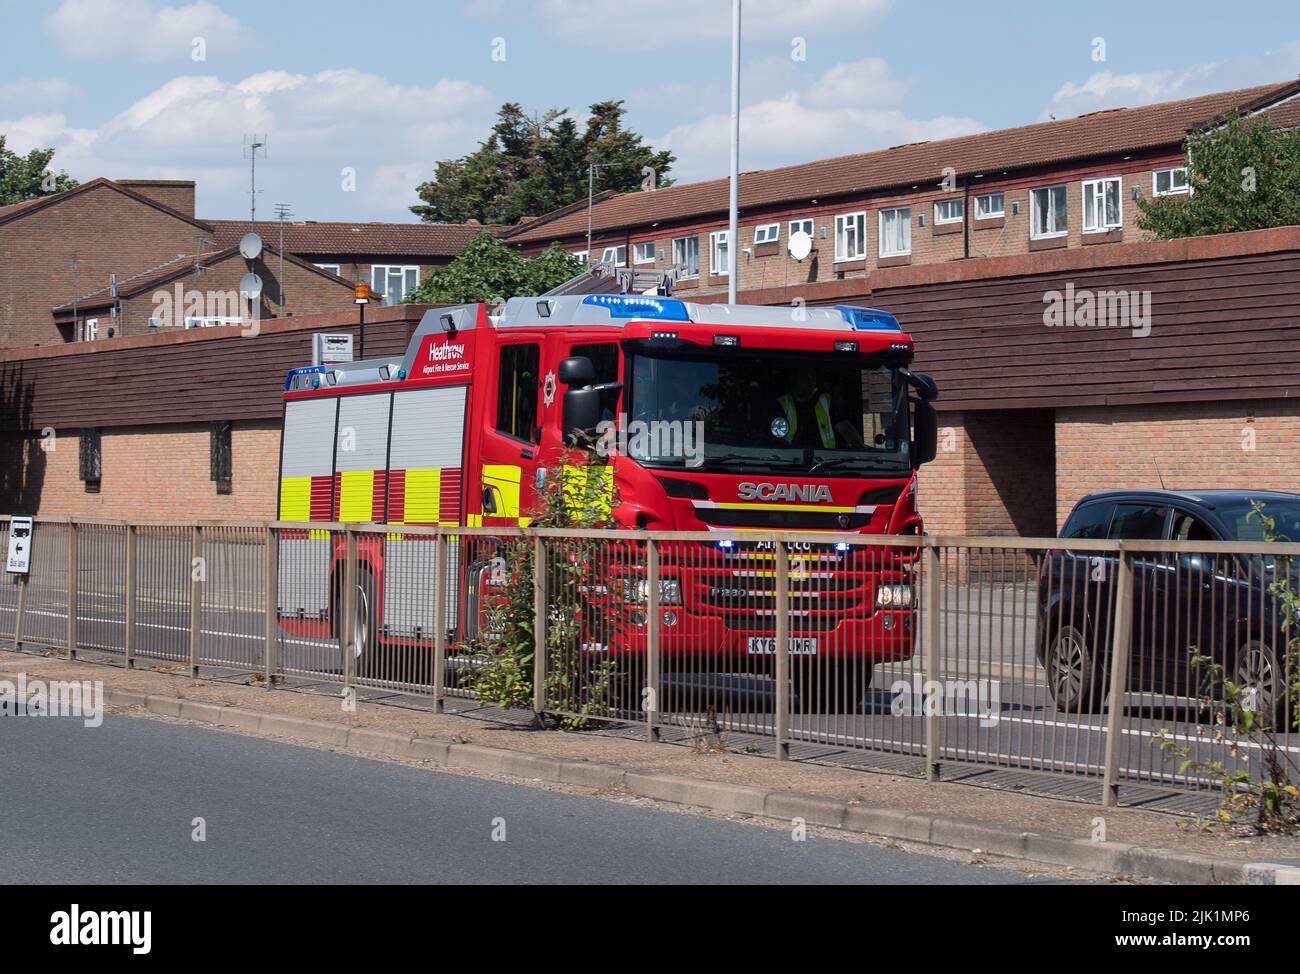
<point x="734" y="194"/>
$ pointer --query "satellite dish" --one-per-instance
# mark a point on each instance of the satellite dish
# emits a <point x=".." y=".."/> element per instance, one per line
<point x="250" y="285"/>
<point x="250" y="246"/>
<point x="800" y="244"/>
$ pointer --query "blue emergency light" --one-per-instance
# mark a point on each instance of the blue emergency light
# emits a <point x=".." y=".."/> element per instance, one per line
<point x="639" y="306"/>
<point x="305" y="370"/>
<point x="868" y="319"/>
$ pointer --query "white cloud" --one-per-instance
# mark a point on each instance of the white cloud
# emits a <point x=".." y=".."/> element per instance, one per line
<point x="1109" y="89"/>
<point x="649" y="23"/>
<point x="139" y="29"/>
<point x="192" y="128"/>
<point x="28" y="95"/>
<point x="852" y="107"/>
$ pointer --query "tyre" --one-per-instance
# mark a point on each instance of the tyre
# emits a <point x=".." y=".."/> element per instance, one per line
<point x="1074" y="672"/>
<point x="830" y="686"/>
<point x="365" y="631"/>
<point x="1255" y="671"/>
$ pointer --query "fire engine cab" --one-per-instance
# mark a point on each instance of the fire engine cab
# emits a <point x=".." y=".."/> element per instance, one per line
<point x="716" y="417"/>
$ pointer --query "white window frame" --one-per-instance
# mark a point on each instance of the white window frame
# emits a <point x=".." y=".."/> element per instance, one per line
<point x="580" y="254"/>
<point x="390" y="299"/>
<point x="961" y="207"/>
<point x="794" y="226"/>
<point x="211" y="321"/>
<point x="90" y="330"/>
<point x="770" y="233"/>
<point x="1155" y="180"/>
<point x="1033" y="212"/>
<point x="637" y="250"/>
<point x="990" y="214"/>
<point x="880" y="227"/>
<point x="682" y="243"/>
<point x="1098" y="186"/>
<point x="719" y="238"/>
<point x="841" y="237"/>
<point x="332" y="268"/>
<point x="605" y="258"/>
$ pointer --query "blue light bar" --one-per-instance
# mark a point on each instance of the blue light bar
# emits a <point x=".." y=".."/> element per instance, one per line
<point x="868" y="319"/>
<point x="305" y="370"/>
<point x="639" y="306"/>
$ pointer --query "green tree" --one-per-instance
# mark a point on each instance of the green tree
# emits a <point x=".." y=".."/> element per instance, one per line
<point x="487" y="269"/>
<point x="1243" y="176"/>
<point x="27" y="177"/>
<point x="529" y="165"/>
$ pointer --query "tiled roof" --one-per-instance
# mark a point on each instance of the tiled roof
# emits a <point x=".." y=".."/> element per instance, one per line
<point x="1104" y="133"/>
<point x="324" y="239"/>
<point x="134" y="284"/>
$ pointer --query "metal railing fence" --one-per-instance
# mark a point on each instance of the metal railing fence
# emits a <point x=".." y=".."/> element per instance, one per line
<point x="1120" y="663"/>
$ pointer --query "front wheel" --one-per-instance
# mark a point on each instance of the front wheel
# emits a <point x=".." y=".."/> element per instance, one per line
<point x="1260" y="684"/>
<point x="1074" y="672"/>
<point x="831" y="686"/>
<point x="365" y="637"/>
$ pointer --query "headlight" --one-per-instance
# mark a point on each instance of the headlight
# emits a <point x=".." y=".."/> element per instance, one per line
<point x="637" y="590"/>
<point x="893" y="596"/>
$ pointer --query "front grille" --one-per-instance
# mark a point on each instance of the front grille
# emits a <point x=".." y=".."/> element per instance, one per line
<point x="795" y="520"/>
<point x="821" y="622"/>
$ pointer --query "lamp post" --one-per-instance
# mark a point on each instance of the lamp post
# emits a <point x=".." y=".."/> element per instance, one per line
<point x="361" y="295"/>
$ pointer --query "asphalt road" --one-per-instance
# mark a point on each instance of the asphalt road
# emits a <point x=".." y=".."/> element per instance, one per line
<point x="116" y="804"/>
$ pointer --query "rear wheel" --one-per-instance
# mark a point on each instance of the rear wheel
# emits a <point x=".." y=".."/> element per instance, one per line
<point x="1256" y="674"/>
<point x="1074" y="673"/>
<point x="365" y="634"/>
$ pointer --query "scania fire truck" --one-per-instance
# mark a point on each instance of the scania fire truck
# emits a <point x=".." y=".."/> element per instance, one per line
<point x="732" y="419"/>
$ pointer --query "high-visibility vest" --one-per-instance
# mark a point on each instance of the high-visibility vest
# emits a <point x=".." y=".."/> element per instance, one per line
<point x="822" y="409"/>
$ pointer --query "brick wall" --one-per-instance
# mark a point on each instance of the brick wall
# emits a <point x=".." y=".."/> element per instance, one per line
<point x="148" y="473"/>
<point x="108" y="231"/>
<point x="1202" y="445"/>
<point x="178" y="194"/>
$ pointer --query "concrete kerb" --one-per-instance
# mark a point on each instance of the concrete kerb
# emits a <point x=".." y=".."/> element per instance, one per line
<point x="1100" y="857"/>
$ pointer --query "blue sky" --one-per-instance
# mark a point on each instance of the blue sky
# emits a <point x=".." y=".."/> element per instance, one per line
<point x="385" y="90"/>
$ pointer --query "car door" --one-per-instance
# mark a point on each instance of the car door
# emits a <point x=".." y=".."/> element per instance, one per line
<point x="510" y="444"/>
<point x="1141" y="521"/>
<point x="1193" y="594"/>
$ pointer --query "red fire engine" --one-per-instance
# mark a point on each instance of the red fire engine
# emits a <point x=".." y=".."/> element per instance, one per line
<point x="725" y="418"/>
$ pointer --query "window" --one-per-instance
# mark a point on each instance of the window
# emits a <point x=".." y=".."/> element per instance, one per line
<point x="580" y="254"/>
<point x="767" y="233"/>
<point x="212" y="322"/>
<point x="604" y="361"/>
<point x="1088" y="522"/>
<point x="644" y="253"/>
<point x="615" y="255"/>
<point x="219" y="455"/>
<point x="1166" y="182"/>
<point x="948" y="211"/>
<point x="92" y="329"/>
<point x="801" y="226"/>
<point x="719" y="262"/>
<point x="851" y="236"/>
<point x="686" y="253"/>
<point x="332" y="268"/>
<point x="1101" y="205"/>
<point x="1138" y="522"/>
<point x="89" y="459"/>
<point x="990" y="205"/>
<point x="393" y="281"/>
<point x="1189" y="527"/>
<point x="896" y="231"/>
<point x="517" y="391"/>
<point x="1047" y="212"/>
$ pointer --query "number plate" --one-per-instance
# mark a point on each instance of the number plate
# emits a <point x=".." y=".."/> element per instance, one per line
<point x="799" y="645"/>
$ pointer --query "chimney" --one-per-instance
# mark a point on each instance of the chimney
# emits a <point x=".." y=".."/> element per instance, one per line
<point x="175" y="194"/>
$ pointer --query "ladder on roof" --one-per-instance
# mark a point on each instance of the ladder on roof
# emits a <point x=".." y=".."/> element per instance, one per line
<point x="602" y="278"/>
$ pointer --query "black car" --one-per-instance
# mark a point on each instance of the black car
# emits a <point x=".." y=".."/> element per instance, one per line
<point x="1217" y="606"/>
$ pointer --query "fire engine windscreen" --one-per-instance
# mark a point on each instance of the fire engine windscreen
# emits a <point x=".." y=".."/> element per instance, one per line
<point x="844" y="413"/>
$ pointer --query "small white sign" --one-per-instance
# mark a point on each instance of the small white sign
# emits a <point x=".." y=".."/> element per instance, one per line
<point x="20" y="546"/>
<point x="331" y="349"/>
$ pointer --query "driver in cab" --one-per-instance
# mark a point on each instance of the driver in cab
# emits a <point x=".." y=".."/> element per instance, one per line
<point x="805" y="416"/>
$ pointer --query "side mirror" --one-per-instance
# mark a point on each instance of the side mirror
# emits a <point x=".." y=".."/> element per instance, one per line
<point x="577" y="371"/>
<point x="580" y="411"/>
<point x="925" y="432"/>
<point x="924" y="385"/>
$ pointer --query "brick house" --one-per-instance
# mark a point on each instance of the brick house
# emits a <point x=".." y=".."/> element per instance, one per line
<point x="1048" y="186"/>
<point x="391" y="257"/>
